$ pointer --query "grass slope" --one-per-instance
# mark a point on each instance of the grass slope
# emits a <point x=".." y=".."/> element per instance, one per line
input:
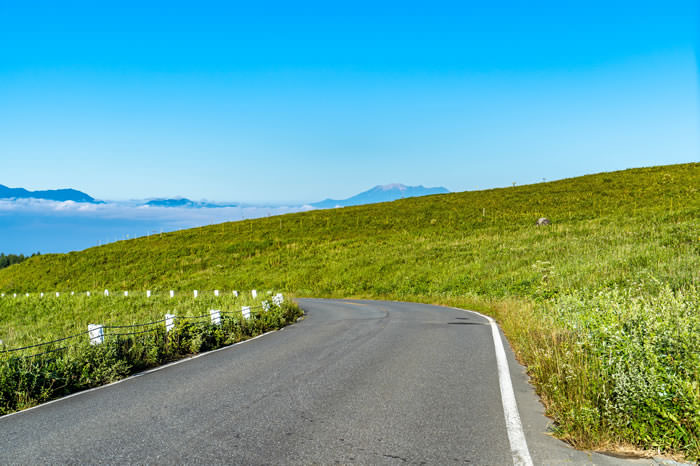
<point x="602" y="305"/>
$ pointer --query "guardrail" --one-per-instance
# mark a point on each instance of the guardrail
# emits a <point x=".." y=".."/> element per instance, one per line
<point x="96" y="332"/>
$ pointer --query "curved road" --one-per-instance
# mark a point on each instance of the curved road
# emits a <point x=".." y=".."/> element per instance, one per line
<point x="354" y="382"/>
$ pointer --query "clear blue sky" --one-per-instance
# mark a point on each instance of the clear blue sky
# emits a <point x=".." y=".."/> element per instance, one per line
<point x="298" y="101"/>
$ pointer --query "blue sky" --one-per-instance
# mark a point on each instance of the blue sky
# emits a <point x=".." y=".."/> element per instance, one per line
<point x="299" y="101"/>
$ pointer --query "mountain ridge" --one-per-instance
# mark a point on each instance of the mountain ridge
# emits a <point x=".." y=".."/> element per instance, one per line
<point x="60" y="195"/>
<point x="381" y="193"/>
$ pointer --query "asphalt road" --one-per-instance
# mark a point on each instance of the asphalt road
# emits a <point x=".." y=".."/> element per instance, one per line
<point x="354" y="382"/>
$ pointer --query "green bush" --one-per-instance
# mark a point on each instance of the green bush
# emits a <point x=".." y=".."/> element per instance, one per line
<point x="647" y="349"/>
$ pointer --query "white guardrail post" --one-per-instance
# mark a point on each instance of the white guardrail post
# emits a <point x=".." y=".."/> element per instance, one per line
<point x="169" y="322"/>
<point x="97" y="335"/>
<point x="245" y="310"/>
<point x="254" y="293"/>
<point x="215" y="316"/>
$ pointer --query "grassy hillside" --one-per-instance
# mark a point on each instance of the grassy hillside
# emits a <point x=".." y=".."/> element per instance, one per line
<point x="612" y="228"/>
<point x="602" y="305"/>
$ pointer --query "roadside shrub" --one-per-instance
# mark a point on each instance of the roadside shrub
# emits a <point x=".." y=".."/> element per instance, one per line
<point x="26" y="381"/>
<point x="634" y="363"/>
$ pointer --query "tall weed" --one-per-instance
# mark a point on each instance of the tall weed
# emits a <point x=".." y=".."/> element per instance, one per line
<point x="616" y="366"/>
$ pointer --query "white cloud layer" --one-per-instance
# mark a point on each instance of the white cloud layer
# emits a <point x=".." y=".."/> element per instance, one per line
<point x="185" y="216"/>
<point x="30" y="225"/>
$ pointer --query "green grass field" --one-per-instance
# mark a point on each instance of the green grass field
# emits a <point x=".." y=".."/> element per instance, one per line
<point x="602" y="305"/>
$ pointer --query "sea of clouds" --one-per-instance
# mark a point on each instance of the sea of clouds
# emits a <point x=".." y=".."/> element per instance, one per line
<point x="31" y="225"/>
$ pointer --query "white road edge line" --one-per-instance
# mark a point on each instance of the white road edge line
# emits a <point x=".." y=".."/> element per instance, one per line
<point x="516" y="435"/>
<point x="146" y="372"/>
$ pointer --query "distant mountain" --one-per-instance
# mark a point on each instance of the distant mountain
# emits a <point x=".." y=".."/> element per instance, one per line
<point x="60" y="195"/>
<point x="386" y="193"/>
<point x="184" y="202"/>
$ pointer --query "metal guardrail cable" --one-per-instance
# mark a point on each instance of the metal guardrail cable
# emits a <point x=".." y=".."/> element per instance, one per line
<point x="134" y="325"/>
<point x="192" y="317"/>
<point x="232" y="312"/>
<point x="130" y="333"/>
<point x="241" y="310"/>
<point x="19" y="358"/>
<point x="45" y="352"/>
<point x="12" y="350"/>
<point x="44" y="344"/>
